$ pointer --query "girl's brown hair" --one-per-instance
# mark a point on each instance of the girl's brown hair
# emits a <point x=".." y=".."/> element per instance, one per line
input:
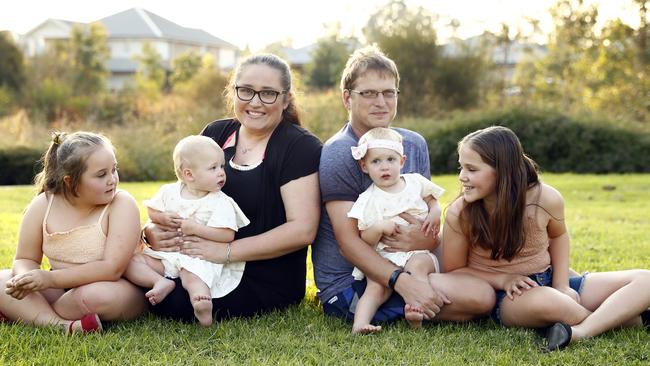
<point x="501" y="231"/>
<point x="67" y="156"/>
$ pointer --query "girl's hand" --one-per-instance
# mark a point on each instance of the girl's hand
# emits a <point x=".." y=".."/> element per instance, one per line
<point x="34" y="280"/>
<point x="514" y="284"/>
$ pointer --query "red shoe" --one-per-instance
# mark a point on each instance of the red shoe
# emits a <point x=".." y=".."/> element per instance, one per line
<point x="90" y="323"/>
<point x="3" y="318"/>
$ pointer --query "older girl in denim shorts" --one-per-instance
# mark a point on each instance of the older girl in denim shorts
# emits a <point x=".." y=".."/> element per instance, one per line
<point x="508" y="228"/>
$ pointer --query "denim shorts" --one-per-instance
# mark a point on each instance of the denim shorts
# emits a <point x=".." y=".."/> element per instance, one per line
<point x="343" y="305"/>
<point x="543" y="279"/>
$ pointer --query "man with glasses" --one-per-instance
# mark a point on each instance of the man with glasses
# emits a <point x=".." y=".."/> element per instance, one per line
<point x="369" y="87"/>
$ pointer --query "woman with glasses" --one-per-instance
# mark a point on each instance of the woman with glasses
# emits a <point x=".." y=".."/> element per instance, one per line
<point x="272" y="169"/>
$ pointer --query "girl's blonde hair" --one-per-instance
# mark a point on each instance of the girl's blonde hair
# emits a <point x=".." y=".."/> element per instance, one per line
<point x="188" y="150"/>
<point x="66" y="157"/>
<point x="380" y="133"/>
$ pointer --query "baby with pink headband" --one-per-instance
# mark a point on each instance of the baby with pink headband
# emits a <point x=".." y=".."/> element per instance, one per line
<point x="377" y="210"/>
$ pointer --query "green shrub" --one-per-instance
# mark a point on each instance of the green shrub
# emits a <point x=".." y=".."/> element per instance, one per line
<point x="556" y="142"/>
<point x="18" y="165"/>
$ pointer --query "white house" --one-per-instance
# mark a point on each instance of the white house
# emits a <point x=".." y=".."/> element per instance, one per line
<point x="127" y="32"/>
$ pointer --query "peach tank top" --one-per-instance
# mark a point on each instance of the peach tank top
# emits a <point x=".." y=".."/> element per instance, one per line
<point x="533" y="257"/>
<point x="78" y="245"/>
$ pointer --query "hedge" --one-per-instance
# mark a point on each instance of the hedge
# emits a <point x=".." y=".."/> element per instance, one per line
<point x="18" y="165"/>
<point x="555" y="141"/>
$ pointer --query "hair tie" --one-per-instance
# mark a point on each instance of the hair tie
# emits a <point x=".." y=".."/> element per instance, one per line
<point x="57" y="137"/>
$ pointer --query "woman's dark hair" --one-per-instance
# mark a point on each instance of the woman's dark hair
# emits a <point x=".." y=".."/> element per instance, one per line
<point x="502" y="230"/>
<point x="67" y="156"/>
<point x="289" y="114"/>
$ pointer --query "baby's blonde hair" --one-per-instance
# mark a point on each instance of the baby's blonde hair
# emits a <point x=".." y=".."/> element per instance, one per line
<point x="188" y="150"/>
<point x="381" y="133"/>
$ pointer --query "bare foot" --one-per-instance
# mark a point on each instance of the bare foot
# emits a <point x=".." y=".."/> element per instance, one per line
<point x="203" y="309"/>
<point x="160" y="290"/>
<point x="366" y="329"/>
<point x="414" y="316"/>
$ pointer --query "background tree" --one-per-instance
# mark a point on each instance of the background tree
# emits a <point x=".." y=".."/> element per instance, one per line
<point x="151" y="76"/>
<point x="89" y="53"/>
<point x="409" y="38"/>
<point x="12" y="69"/>
<point x="328" y="59"/>
<point x="431" y="80"/>
<point x="185" y="66"/>
<point x="12" y="72"/>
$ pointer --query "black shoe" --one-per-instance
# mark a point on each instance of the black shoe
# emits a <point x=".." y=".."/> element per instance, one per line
<point x="645" y="319"/>
<point x="558" y="336"/>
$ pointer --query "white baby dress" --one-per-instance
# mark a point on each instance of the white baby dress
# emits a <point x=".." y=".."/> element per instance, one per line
<point x="216" y="209"/>
<point x="374" y="205"/>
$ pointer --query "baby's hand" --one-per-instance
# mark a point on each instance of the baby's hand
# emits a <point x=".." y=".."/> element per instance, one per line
<point x="431" y="224"/>
<point x="188" y="226"/>
<point x="170" y="219"/>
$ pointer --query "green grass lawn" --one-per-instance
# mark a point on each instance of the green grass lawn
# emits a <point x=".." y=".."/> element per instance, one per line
<point x="609" y="230"/>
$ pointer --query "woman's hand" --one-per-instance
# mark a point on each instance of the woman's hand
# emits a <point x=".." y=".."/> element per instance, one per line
<point x="204" y="249"/>
<point x="35" y="280"/>
<point x="514" y="284"/>
<point x="164" y="239"/>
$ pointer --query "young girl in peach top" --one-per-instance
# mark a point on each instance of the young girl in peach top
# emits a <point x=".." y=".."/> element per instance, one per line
<point x="88" y="229"/>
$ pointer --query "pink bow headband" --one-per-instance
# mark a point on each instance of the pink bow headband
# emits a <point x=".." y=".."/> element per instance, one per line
<point x="358" y="152"/>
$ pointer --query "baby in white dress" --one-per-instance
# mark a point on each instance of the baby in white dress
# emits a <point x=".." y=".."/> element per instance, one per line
<point x="381" y="155"/>
<point x="195" y="206"/>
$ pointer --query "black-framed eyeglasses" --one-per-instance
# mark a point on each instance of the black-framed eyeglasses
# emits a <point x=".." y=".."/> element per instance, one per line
<point x="372" y="94"/>
<point x="267" y="96"/>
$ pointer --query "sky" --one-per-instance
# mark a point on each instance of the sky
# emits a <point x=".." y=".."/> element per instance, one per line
<point x="257" y="23"/>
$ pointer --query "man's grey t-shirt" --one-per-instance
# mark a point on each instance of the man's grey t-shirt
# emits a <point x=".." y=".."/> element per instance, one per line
<point x="341" y="179"/>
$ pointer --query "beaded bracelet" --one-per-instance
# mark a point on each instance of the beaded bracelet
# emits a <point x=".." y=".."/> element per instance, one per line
<point x="228" y="249"/>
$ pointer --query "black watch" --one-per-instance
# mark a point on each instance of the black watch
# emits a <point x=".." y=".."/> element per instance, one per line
<point x="393" y="277"/>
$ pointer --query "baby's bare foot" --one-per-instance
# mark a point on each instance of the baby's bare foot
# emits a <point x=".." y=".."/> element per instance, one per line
<point x="160" y="290"/>
<point x="366" y="329"/>
<point x="414" y="316"/>
<point x="202" y="309"/>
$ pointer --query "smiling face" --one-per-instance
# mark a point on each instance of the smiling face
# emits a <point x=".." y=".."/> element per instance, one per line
<point x="478" y="178"/>
<point x="254" y="114"/>
<point x="383" y="166"/>
<point x="368" y="113"/>
<point x="99" y="181"/>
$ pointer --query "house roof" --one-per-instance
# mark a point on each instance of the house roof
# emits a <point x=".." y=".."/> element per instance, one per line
<point x="140" y="23"/>
<point x="64" y="25"/>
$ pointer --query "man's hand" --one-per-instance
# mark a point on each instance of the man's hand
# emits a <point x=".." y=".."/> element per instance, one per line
<point x="421" y="294"/>
<point x="408" y="238"/>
